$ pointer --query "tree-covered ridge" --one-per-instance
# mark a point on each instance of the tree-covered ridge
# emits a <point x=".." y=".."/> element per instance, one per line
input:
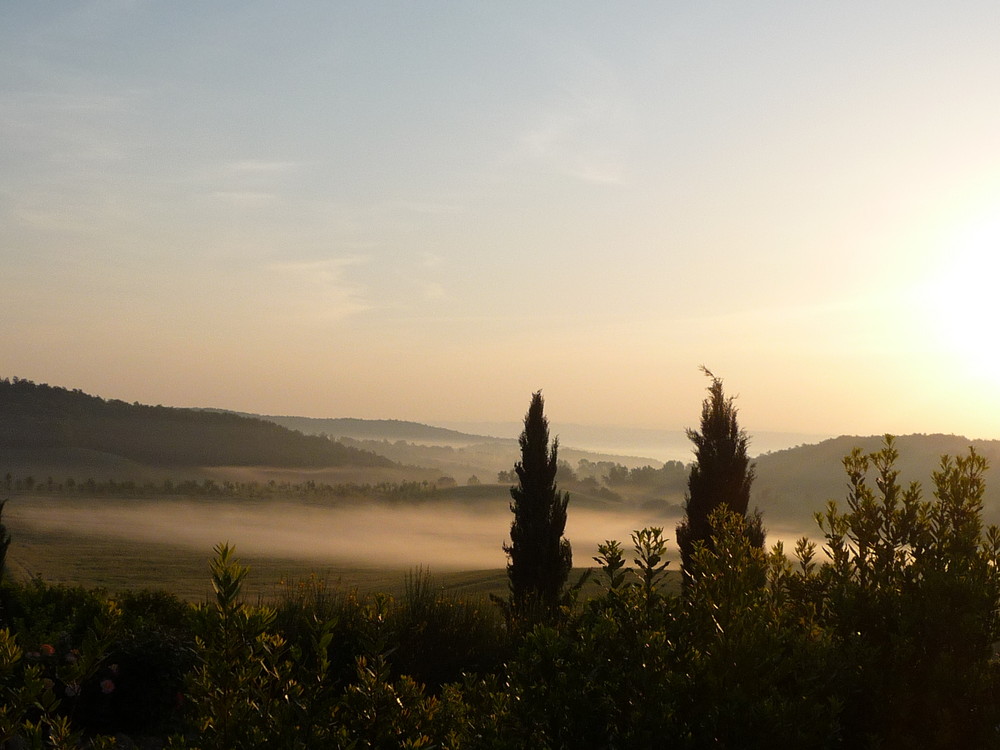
<point x="41" y="416"/>
<point x="793" y="484"/>
<point x="378" y="429"/>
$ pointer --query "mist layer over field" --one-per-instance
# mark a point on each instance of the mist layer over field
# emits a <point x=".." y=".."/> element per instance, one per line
<point x="440" y="535"/>
<point x="443" y="536"/>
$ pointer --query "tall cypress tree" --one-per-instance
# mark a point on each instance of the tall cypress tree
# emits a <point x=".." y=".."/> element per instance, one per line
<point x="721" y="475"/>
<point x="539" y="558"/>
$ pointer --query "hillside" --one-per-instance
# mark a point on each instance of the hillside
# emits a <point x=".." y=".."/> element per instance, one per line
<point x="391" y="430"/>
<point x="43" y="420"/>
<point x="795" y="483"/>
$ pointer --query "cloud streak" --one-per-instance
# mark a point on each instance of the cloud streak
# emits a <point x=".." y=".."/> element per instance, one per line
<point x="316" y="291"/>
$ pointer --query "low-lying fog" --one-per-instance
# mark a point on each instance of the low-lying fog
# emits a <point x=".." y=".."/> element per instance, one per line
<point x="441" y="536"/>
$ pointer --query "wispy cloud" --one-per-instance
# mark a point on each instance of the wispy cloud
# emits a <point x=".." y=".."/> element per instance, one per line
<point x="63" y="128"/>
<point x="594" y="169"/>
<point x="420" y="207"/>
<point x="430" y="260"/>
<point x="317" y="291"/>
<point x="262" y="166"/>
<point x="244" y="198"/>
<point x="433" y="290"/>
<point x="324" y="267"/>
<point x="584" y="130"/>
<point x="247" y="182"/>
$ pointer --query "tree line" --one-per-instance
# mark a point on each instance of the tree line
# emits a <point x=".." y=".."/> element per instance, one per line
<point x="309" y="489"/>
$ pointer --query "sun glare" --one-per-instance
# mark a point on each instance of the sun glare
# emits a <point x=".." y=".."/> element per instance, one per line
<point x="963" y="298"/>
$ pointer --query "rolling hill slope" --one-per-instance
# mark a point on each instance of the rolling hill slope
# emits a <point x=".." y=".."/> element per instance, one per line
<point x="795" y="483"/>
<point x="43" y="420"/>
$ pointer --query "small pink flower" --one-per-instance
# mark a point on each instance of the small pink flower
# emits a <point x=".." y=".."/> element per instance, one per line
<point x="71" y="658"/>
<point x="107" y="686"/>
<point x="113" y="668"/>
<point x="72" y="690"/>
<point x="47" y="650"/>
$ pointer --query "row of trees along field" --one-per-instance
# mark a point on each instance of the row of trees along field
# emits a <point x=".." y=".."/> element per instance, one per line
<point x="884" y="640"/>
<point x="405" y="490"/>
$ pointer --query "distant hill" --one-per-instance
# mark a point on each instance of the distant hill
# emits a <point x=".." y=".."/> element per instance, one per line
<point x="452" y="452"/>
<point x="42" y="419"/>
<point x="377" y="429"/>
<point x="795" y="483"/>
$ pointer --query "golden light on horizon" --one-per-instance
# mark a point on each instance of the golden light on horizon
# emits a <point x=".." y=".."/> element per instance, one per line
<point x="962" y="297"/>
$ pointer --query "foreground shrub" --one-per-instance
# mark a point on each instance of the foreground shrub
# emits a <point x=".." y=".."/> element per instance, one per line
<point x="911" y="598"/>
<point x="759" y="671"/>
<point x="438" y="638"/>
<point x="607" y="677"/>
<point x="150" y="660"/>
<point x="239" y="689"/>
<point x="43" y="689"/>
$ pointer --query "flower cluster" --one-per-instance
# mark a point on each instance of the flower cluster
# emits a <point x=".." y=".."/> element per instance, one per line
<point x="63" y="677"/>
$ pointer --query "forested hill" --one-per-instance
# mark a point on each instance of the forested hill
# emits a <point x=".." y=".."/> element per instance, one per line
<point x="39" y="416"/>
<point x="795" y="483"/>
<point x="379" y="429"/>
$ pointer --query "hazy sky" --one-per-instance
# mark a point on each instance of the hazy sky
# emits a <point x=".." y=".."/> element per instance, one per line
<point x="428" y="210"/>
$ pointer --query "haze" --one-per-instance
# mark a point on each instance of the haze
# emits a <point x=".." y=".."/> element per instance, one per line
<point x="428" y="211"/>
<point x="442" y="537"/>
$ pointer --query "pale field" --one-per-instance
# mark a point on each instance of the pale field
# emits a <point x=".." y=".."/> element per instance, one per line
<point x="167" y="544"/>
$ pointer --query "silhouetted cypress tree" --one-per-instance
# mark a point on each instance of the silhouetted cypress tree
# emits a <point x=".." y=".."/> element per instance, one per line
<point x="721" y="475"/>
<point x="539" y="558"/>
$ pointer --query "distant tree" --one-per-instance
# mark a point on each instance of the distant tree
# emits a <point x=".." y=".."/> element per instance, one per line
<point x="473" y="481"/>
<point x="617" y="474"/>
<point x="720" y="476"/>
<point x="540" y="558"/>
<point x="565" y="471"/>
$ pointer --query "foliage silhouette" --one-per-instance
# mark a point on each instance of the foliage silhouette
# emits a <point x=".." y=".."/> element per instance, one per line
<point x="540" y="558"/>
<point x="720" y="477"/>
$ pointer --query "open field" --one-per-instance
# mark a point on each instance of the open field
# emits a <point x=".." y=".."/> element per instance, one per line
<point x="114" y="564"/>
<point x="167" y="543"/>
<point x="94" y="562"/>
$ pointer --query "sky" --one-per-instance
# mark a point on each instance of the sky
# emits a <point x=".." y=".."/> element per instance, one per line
<point x="427" y="211"/>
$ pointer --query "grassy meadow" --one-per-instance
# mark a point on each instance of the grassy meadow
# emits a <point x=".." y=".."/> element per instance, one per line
<point x="138" y="543"/>
<point x="117" y="562"/>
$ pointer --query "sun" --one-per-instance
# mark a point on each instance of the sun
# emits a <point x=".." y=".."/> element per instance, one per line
<point x="962" y="299"/>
